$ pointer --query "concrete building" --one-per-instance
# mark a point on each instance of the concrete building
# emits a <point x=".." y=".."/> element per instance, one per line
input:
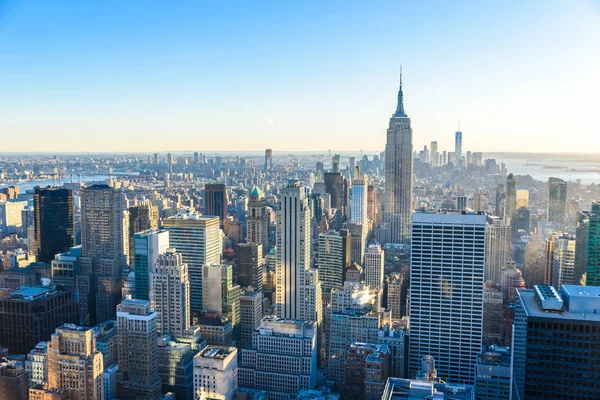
<point x="396" y="302"/>
<point x="74" y="364"/>
<point x="36" y="364"/>
<point x="333" y="259"/>
<point x="395" y="336"/>
<point x="103" y="240"/>
<point x="283" y="358"/>
<point x="11" y="220"/>
<point x="398" y="175"/>
<point x="107" y="342"/>
<point x="374" y="266"/>
<point x="216" y="373"/>
<point x="30" y="315"/>
<point x="498" y="238"/>
<point x="142" y="217"/>
<point x="250" y="315"/>
<point x="170" y="293"/>
<point x="147" y="246"/>
<point x="257" y="220"/>
<point x="198" y="239"/>
<point x="397" y="388"/>
<point x="493" y="374"/>
<point x="358" y="238"/>
<point x="555" y="343"/>
<point x="563" y="260"/>
<point x="39" y="392"/>
<point x="366" y="369"/>
<point x="65" y="267"/>
<point x="215" y="330"/>
<point x="14" y="381"/>
<point x="109" y="382"/>
<point x="137" y="332"/>
<point x="446" y="292"/>
<point x="14" y="278"/>
<point x="493" y="301"/>
<point x="557" y="203"/>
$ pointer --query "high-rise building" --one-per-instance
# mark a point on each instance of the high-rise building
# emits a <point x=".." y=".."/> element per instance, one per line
<point x="64" y="268"/>
<point x="30" y="314"/>
<point x="446" y="291"/>
<point x="250" y="265"/>
<point x="216" y="373"/>
<point x="215" y="200"/>
<point x="268" y="159"/>
<point x="435" y="155"/>
<point x="220" y="295"/>
<point x="493" y="301"/>
<point x="510" y="203"/>
<point x="555" y="343"/>
<point x="334" y="187"/>
<point x="147" y="246"/>
<point x="250" y="314"/>
<point x="176" y="367"/>
<point x="366" y="370"/>
<point x="587" y="257"/>
<point x="557" y="203"/>
<point x="458" y="147"/>
<point x="396" y="302"/>
<point x="358" y="239"/>
<point x="257" y="220"/>
<point x="333" y="259"/>
<point x="293" y="253"/>
<point x="11" y="215"/>
<point x="493" y="373"/>
<point x="198" y="239"/>
<point x="282" y="359"/>
<point x="170" y="293"/>
<point x="358" y="199"/>
<point x="107" y="342"/>
<point x="398" y="175"/>
<point x="137" y="329"/>
<point x="142" y="217"/>
<point x="563" y="260"/>
<point x="14" y="381"/>
<point x="37" y="364"/>
<point x="374" y="266"/>
<point x="103" y="239"/>
<point x="353" y="316"/>
<point x="497" y="255"/>
<point x="74" y="363"/>
<point x="53" y="208"/>
<point x="535" y="262"/>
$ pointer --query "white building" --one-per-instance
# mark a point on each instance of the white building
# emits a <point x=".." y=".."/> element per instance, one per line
<point x="198" y="239"/>
<point x="36" y="364"/>
<point x="170" y="293"/>
<point x="215" y="373"/>
<point x="250" y="315"/>
<point x="498" y="249"/>
<point x="446" y="292"/>
<point x="220" y="295"/>
<point x="333" y="258"/>
<point x="374" y="266"/>
<point x="283" y="358"/>
<point x="563" y="260"/>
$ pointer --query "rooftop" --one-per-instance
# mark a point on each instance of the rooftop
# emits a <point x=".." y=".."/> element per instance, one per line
<point x="28" y="293"/>
<point x="216" y="352"/>
<point x="580" y="303"/>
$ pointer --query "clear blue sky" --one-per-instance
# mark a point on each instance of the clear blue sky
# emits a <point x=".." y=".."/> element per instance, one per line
<point x="313" y="75"/>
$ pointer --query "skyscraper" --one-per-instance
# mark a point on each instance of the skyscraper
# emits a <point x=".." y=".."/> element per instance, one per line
<point x="170" y="293"/>
<point x="458" y="147"/>
<point x="587" y="256"/>
<point x="137" y="333"/>
<point x="358" y="199"/>
<point x="557" y="203"/>
<point x="555" y="343"/>
<point x="215" y="200"/>
<point x="435" y="155"/>
<point x="563" y="260"/>
<point x="147" y="246"/>
<point x="446" y="292"/>
<point x="510" y="204"/>
<point x="198" y="239"/>
<point x="250" y="265"/>
<point x="74" y="363"/>
<point x="333" y="259"/>
<point x="53" y="208"/>
<point x="268" y="159"/>
<point x="141" y="218"/>
<point x="498" y="249"/>
<point x="398" y="175"/>
<point x="220" y="295"/>
<point x="374" y="266"/>
<point x="257" y="220"/>
<point x="103" y="252"/>
<point x="250" y="315"/>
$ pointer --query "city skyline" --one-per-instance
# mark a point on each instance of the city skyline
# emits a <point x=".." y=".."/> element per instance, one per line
<point x="177" y="74"/>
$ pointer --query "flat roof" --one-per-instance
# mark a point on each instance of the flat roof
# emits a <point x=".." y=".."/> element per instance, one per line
<point x="532" y="309"/>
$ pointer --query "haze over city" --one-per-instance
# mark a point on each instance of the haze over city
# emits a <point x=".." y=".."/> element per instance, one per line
<point x="131" y="76"/>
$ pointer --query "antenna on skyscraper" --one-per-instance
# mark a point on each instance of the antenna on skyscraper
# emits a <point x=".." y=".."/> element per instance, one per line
<point x="400" y="75"/>
<point x="458" y="125"/>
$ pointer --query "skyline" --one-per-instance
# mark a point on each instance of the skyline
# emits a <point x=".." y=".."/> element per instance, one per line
<point x="207" y="78"/>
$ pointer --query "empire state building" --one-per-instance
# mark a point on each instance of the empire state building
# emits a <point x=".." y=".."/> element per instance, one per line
<point x="398" y="176"/>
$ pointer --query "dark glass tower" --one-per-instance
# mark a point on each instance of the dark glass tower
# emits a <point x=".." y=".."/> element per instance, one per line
<point x="215" y="200"/>
<point x="53" y="221"/>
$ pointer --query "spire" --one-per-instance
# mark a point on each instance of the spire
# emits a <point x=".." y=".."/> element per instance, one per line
<point x="400" y="107"/>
